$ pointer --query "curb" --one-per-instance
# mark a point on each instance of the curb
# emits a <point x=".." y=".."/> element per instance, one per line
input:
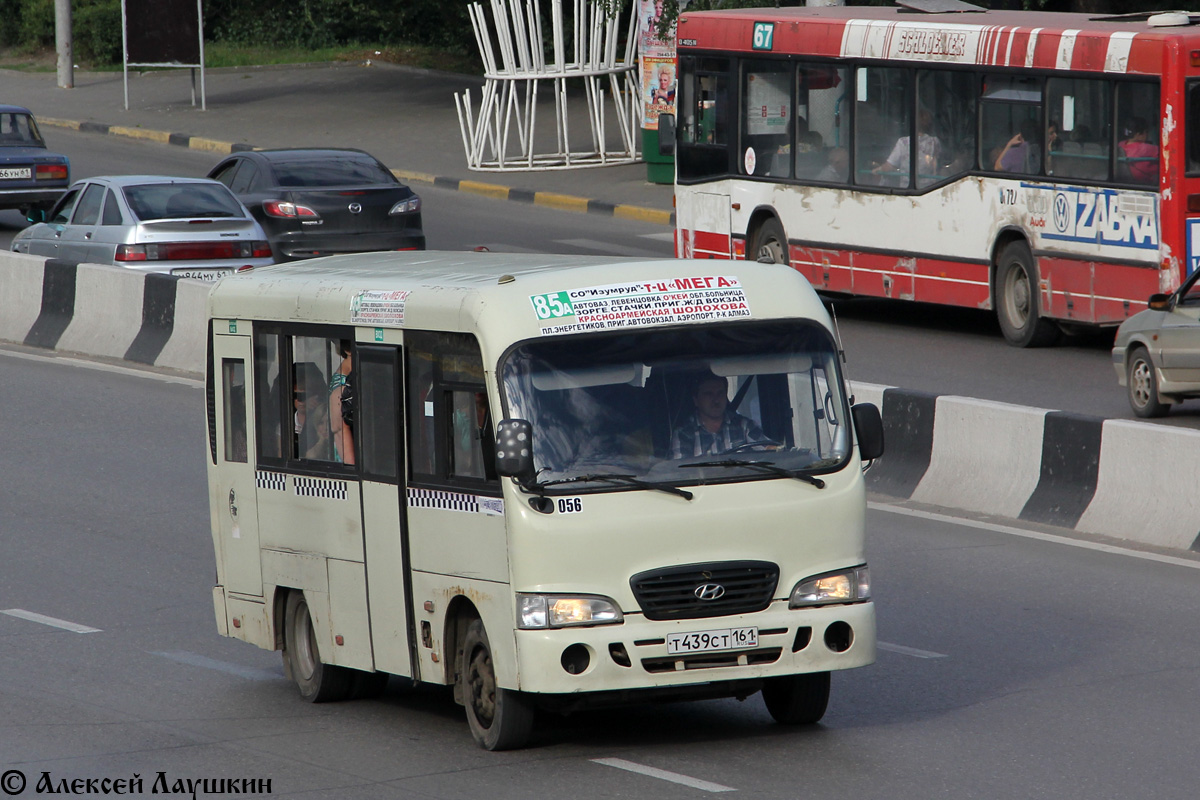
<point x="560" y="202"/>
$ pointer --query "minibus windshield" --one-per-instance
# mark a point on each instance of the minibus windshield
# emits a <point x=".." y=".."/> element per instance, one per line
<point x="689" y="405"/>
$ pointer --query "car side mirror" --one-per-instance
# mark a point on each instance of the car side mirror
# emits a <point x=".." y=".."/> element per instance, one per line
<point x="514" y="450"/>
<point x="1160" y="302"/>
<point x="868" y="425"/>
<point x="666" y="134"/>
<point x="36" y="215"/>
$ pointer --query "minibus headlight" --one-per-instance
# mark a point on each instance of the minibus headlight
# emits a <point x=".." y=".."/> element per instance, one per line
<point x="846" y="586"/>
<point x="556" y="611"/>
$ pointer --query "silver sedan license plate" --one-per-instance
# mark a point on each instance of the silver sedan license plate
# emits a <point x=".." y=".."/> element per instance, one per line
<point x="15" y="173"/>
<point x="711" y="641"/>
<point x="202" y="274"/>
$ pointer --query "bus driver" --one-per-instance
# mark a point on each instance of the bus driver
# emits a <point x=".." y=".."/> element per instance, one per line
<point x="713" y="428"/>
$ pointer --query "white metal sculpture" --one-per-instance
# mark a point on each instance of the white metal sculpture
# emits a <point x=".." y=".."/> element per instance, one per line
<point x="503" y="134"/>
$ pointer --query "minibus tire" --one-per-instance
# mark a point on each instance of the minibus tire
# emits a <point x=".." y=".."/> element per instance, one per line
<point x="797" y="699"/>
<point x="1142" y="381"/>
<point x="1017" y="299"/>
<point x="318" y="683"/>
<point x="500" y="719"/>
<point x="770" y="237"/>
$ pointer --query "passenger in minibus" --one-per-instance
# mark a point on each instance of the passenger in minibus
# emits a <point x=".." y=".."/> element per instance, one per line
<point x="310" y="399"/>
<point x="341" y="407"/>
<point x="713" y="428"/>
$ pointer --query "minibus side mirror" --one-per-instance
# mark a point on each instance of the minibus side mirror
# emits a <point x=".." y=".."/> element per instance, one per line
<point x="868" y="424"/>
<point x="514" y="450"/>
<point x="666" y="134"/>
<point x="1160" y="302"/>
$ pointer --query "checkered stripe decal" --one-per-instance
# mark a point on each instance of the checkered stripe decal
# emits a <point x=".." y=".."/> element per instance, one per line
<point x="270" y="480"/>
<point x="455" y="501"/>
<point x="319" y="487"/>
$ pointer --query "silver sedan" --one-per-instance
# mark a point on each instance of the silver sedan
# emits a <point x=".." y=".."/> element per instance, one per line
<point x="1157" y="351"/>
<point x="189" y="227"/>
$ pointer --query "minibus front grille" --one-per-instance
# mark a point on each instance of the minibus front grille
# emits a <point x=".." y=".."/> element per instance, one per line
<point x="695" y="591"/>
<point x="743" y="658"/>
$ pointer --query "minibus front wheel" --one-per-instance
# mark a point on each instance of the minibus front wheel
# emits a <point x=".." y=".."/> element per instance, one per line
<point x="500" y="719"/>
<point x="797" y="699"/>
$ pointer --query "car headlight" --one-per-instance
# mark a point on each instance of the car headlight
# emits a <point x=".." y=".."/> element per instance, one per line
<point x="558" y="611"/>
<point x="406" y="206"/>
<point x="845" y="586"/>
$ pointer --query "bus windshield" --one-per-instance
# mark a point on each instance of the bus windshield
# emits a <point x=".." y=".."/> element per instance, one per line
<point x="684" y="406"/>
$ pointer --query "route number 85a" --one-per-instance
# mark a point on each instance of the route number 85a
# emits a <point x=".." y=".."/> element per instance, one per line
<point x="553" y="305"/>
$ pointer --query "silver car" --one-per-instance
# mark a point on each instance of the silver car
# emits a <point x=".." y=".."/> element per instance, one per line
<point x="1157" y="351"/>
<point x="189" y="227"/>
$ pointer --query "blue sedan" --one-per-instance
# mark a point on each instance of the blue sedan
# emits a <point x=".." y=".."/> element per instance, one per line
<point x="30" y="175"/>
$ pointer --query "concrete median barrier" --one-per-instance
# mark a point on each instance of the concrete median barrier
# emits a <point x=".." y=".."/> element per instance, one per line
<point x="1117" y="478"/>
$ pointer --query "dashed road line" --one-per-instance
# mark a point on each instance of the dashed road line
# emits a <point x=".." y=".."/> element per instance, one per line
<point x="663" y="775"/>
<point x="908" y="651"/>
<point x="197" y="660"/>
<point x="53" y="622"/>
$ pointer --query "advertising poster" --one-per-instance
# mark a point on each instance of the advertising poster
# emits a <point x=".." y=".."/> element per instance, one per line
<point x="657" y="60"/>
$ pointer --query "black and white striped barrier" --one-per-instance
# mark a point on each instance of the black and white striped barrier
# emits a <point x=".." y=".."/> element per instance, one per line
<point x="1117" y="478"/>
<point x="146" y="318"/>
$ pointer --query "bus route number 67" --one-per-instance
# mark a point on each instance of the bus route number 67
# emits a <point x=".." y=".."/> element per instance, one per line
<point x="764" y="36"/>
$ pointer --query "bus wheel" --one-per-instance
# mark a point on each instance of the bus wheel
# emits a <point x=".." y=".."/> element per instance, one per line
<point x="1143" y="385"/>
<point x="500" y="719"/>
<point x="318" y="683"/>
<point x="1017" y="299"/>
<point x="797" y="699"/>
<point x="770" y="245"/>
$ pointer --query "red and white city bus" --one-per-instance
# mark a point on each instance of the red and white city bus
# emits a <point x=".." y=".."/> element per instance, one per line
<point x="1043" y="165"/>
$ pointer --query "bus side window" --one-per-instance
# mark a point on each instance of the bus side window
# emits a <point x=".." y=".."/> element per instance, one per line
<point x="450" y="436"/>
<point x="376" y="418"/>
<point x="233" y="398"/>
<point x="269" y="416"/>
<point x="315" y="359"/>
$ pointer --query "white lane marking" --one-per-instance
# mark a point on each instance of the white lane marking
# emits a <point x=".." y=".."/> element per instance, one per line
<point x="1028" y="534"/>
<point x="53" y="622"/>
<point x="605" y="247"/>
<point x="908" y="651"/>
<point x="196" y="660"/>
<point x="103" y="367"/>
<point x="662" y="774"/>
<point x="669" y="236"/>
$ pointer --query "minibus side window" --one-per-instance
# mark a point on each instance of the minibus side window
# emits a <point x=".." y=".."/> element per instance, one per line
<point x="450" y="425"/>
<point x="233" y="398"/>
<point x="319" y="425"/>
<point x="268" y="361"/>
<point x="378" y="407"/>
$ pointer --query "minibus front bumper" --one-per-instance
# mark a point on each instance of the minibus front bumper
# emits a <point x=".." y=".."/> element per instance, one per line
<point x="633" y="655"/>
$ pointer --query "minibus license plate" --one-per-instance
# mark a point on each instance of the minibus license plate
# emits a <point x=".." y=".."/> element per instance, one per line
<point x="202" y="274"/>
<point x="710" y="641"/>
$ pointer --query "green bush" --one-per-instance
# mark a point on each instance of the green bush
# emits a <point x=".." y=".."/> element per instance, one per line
<point x="96" y="28"/>
<point x="37" y="23"/>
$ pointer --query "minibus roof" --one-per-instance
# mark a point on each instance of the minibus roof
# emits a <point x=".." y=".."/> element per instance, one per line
<point x="505" y="297"/>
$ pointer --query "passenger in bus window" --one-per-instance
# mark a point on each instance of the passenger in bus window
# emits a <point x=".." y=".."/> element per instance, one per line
<point x="1140" y="161"/>
<point x="838" y="167"/>
<point x="341" y="407"/>
<point x="310" y="396"/>
<point x="713" y="428"/>
<point x="1021" y="153"/>
<point x="929" y="151"/>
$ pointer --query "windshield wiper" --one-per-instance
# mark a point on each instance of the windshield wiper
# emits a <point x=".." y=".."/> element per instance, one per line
<point x="764" y="466"/>
<point x="620" y="480"/>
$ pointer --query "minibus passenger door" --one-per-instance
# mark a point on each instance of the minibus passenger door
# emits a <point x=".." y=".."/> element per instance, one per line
<point x="233" y="500"/>
<point x="378" y="436"/>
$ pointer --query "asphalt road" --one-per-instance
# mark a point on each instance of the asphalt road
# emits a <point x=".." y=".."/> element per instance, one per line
<point x="1010" y="666"/>
<point x="925" y="348"/>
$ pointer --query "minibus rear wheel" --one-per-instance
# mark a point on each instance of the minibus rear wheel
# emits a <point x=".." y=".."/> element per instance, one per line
<point x="500" y="719"/>
<point x="318" y="683"/>
<point x="797" y="699"/>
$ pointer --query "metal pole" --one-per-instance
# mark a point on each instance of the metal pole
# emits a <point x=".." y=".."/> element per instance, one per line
<point x="62" y="42"/>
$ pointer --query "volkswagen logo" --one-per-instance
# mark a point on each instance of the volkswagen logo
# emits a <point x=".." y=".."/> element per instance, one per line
<point x="355" y="208"/>
<point x="709" y="591"/>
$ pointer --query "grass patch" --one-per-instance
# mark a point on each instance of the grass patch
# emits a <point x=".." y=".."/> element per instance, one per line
<point x="220" y="54"/>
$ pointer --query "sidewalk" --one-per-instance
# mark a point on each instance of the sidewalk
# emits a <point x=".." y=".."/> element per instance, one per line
<point x="404" y="116"/>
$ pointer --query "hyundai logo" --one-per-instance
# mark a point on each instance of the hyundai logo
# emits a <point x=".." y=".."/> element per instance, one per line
<point x="355" y="208"/>
<point x="709" y="591"/>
